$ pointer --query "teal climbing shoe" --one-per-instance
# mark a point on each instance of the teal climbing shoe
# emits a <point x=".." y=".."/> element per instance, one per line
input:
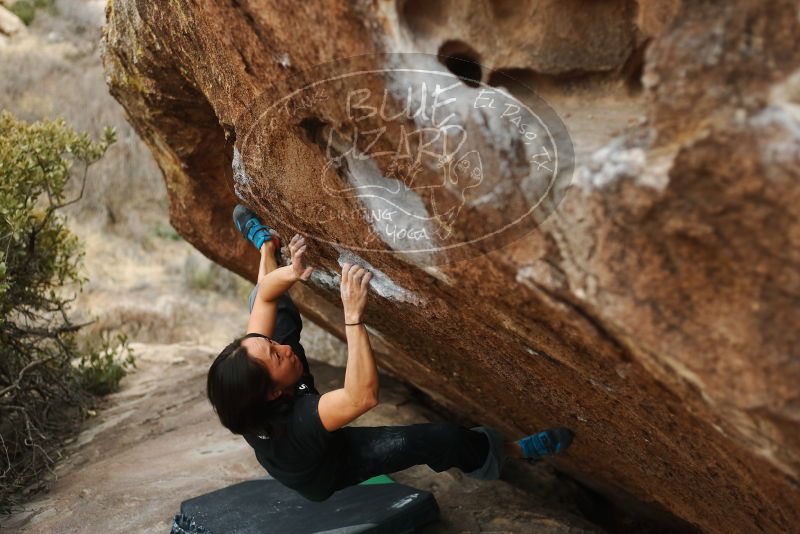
<point x="251" y="227"/>
<point x="546" y="443"/>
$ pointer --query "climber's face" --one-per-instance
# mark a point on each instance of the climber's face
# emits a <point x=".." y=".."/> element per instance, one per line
<point x="282" y="364"/>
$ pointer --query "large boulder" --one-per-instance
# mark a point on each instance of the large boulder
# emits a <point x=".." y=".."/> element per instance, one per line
<point x="649" y="298"/>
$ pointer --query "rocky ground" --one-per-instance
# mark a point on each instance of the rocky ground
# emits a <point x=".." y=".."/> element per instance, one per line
<point x="156" y="442"/>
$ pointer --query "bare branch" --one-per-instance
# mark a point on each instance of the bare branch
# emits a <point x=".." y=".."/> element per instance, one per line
<point x="80" y="195"/>
<point x="31" y="365"/>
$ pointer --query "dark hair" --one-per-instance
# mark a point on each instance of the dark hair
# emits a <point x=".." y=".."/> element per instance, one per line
<point x="237" y="387"/>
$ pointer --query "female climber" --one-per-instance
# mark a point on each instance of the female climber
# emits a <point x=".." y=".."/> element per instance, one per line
<point x="262" y="388"/>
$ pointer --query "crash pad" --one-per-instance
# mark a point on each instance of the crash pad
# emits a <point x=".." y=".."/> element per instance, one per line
<point x="265" y="506"/>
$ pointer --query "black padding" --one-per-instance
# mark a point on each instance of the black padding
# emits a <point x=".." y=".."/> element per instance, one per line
<point x="266" y="506"/>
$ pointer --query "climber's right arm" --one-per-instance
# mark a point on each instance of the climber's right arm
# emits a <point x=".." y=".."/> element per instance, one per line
<point x="273" y="285"/>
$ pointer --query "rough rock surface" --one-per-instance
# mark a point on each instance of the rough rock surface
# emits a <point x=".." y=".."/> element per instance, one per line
<point x="656" y="311"/>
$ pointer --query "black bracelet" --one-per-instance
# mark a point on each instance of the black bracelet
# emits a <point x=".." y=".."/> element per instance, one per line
<point x="354" y="324"/>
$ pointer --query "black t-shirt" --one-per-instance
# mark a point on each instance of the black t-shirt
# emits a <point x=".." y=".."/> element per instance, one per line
<point x="303" y="458"/>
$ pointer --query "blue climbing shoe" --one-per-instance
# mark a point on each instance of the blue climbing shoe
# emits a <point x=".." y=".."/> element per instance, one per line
<point x="546" y="443"/>
<point x="251" y="227"/>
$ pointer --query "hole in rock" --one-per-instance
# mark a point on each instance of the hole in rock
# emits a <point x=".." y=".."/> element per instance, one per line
<point x="313" y="128"/>
<point x="320" y="134"/>
<point x="633" y="69"/>
<point x="462" y="60"/>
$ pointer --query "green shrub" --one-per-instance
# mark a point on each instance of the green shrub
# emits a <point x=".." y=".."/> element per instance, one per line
<point x="26" y="9"/>
<point x="102" y="367"/>
<point x="39" y="277"/>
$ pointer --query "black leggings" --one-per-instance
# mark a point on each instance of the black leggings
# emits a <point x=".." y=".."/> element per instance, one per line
<point x="372" y="451"/>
